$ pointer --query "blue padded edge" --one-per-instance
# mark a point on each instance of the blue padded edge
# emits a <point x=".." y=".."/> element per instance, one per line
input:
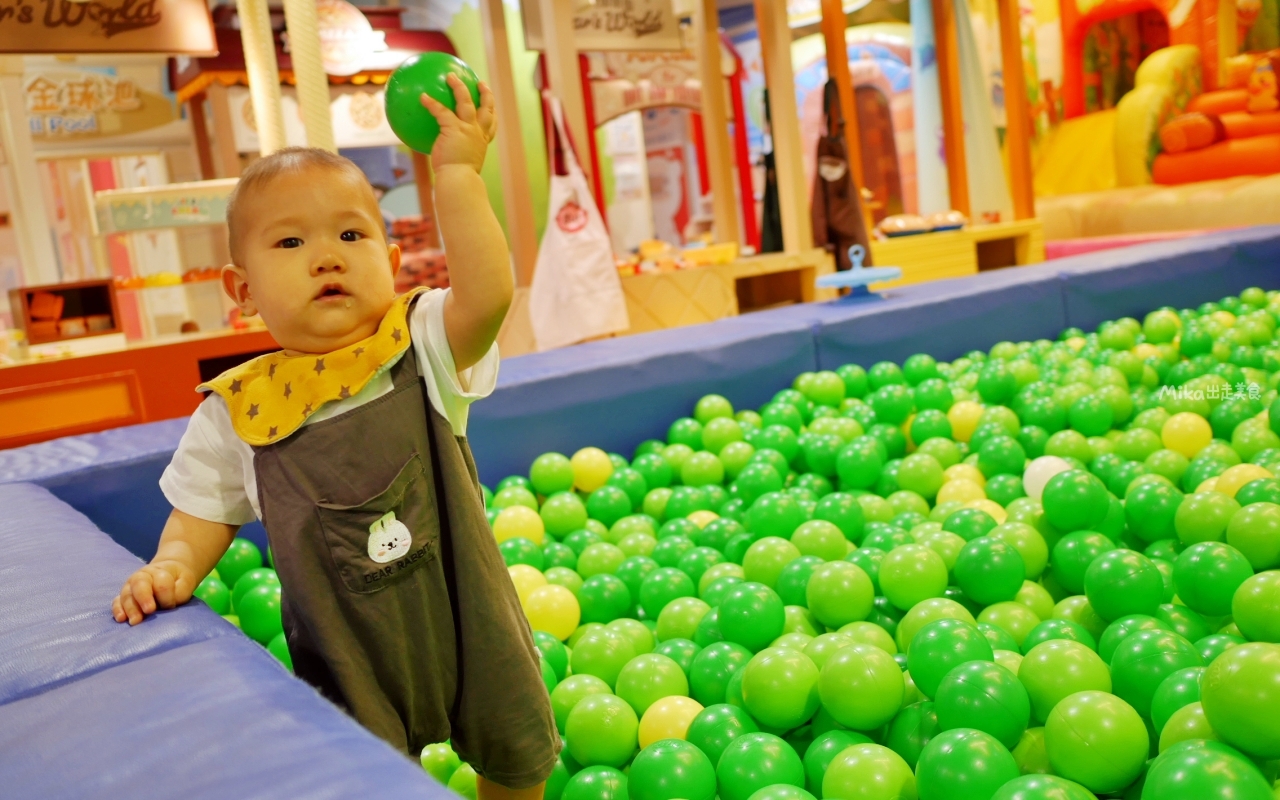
<point x="113" y="477"/>
<point x="214" y="720"/>
<point x="616" y="392"/>
<point x="943" y="318"/>
<point x="58" y="576"/>
<point x="1182" y="273"/>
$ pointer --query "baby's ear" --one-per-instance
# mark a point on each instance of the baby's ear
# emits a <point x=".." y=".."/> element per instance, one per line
<point x="235" y="282"/>
<point x="393" y="254"/>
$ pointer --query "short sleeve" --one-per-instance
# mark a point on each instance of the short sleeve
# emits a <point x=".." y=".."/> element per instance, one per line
<point x="451" y="392"/>
<point x="209" y="476"/>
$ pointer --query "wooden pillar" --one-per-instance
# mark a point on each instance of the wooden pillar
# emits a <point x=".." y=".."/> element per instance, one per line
<point x="793" y="194"/>
<point x="224" y="134"/>
<point x="948" y="53"/>
<point x="563" y="73"/>
<point x="264" y="73"/>
<point x="30" y="222"/>
<point x="422" y="179"/>
<point x="715" y="123"/>
<point x="522" y="235"/>
<point x="833" y="28"/>
<point x="200" y="129"/>
<point x="308" y="68"/>
<point x="1017" y="113"/>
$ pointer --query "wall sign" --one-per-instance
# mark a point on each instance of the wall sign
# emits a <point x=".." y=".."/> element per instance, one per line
<point x="76" y="104"/>
<point x="613" y="25"/>
<point x="106" y="26"/>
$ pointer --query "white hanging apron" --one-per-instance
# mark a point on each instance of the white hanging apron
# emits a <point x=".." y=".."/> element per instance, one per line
<point x="576" y="293"/>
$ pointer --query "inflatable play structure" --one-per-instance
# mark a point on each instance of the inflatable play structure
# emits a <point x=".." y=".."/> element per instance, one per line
<point x="1198" y="110"/>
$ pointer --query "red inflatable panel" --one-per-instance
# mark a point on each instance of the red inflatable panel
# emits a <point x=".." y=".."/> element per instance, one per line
<point x="1242" y="124"/>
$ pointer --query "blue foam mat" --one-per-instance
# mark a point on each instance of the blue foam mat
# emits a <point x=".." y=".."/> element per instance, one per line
<point x="214" y="720"/>
<point x="58" y="576"/>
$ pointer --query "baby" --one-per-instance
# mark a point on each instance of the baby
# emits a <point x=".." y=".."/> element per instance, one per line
<point x="349" y="445"/>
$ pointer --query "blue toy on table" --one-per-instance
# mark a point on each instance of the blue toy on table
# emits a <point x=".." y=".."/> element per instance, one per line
<point x="858" y="277"/>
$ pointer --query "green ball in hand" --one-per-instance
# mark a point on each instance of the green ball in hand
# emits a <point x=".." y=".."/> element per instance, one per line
<point x="425" y="73"/>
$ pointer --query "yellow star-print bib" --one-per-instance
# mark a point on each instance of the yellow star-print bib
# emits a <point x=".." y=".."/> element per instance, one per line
<point x="271" y="396"/>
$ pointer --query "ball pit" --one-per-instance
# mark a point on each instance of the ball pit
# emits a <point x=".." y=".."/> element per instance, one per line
<point x="1020" y="574"/>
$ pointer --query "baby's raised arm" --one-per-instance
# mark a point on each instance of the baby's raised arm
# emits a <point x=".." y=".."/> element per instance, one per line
<point x="189" y="550"/>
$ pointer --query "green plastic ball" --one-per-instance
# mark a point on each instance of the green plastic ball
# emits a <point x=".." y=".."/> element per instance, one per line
<point x="1145" y="658"/>
<point x="1255" y="607"/>
<point x="755" y="761"/>
<point x="671" y="769"/>
<point x="984" y="696"/>
<point x="1240" y="693"/>
<point x="1097" y="740"/>
<point x="963" y="764"/>
<point x="1059" y="668"/>
<point x="939" y="647"/>
<point x="780" y="687"/>
<point x="861" y="686"/>
<point x="601" y="730"/>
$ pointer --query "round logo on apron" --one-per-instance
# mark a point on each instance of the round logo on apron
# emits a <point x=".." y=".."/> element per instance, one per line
<point x="389" y="539"/>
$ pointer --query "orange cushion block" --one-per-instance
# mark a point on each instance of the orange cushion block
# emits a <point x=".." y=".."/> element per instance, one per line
<point x="1258" y="155"/>
<point x="1220" y="102"/>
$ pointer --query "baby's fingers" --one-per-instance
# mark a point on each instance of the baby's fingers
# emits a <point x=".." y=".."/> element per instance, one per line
<point x="487" y="116"/>
<point x="163" y="587"/>
<point x="466" y="108"/>
<point x="139" y="592"/>
<point x="124" y="608"/>
<point x="444" y="117"/>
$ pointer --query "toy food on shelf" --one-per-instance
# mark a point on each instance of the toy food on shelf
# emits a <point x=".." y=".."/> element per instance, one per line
<point x="67" y="318"/>
<point x="201" y="274"/>
<point x="902" y="225"/>
<point x="946" y="220"/>
<point x="421" y="263"/>
<point x="654" y="255"/>
<point x="911" y="224"/>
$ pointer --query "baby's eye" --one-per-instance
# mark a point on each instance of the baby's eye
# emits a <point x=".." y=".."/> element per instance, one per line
<point x="351" y="236"/>
<point x="289" y="242"/>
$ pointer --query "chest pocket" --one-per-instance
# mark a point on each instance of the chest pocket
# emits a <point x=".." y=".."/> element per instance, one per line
<point x="381" y="541"/>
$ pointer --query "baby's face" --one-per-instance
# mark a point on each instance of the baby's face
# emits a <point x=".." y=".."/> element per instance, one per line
<point x="313" y="260"/>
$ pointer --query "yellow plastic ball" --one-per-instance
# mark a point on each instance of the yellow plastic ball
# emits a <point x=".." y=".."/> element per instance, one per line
<point x="961" y="490"/>
<point x="1187" y="433"/>
<point x="994" y="509"/>
<point x="1208" y="485"/>
<point x="1076" y="343"/>
<point x="963" y="417"/>
<point x="905" y="427"/>
<point x="519" y="521"/>
<point x="964" y="471"/>
<point x="553" y="609"/>
<point x="1233" y="478"/>
<point x="1145" y="351"/>
<point x="1225" y="318"/>
<point x="703" y="518"/>
<point x="591" y="468"/>
<point x="526" y="580"/>
<point x="668" y="718"/>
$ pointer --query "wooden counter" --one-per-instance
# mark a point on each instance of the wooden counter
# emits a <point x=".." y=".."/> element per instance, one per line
<point x="144" y="382"/>
<point x="952" y="254"/>
<point x="702" y="294"/>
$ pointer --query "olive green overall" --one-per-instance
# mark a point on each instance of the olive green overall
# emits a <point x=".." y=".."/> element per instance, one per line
<point x="422" y="640"/>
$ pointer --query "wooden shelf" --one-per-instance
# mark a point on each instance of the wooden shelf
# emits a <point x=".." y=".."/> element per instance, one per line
<point x="691" y="296"/>
<point x="953" y="254"/>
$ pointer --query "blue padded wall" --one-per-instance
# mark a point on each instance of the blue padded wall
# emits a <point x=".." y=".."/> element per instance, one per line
<point x="616" y="393"/>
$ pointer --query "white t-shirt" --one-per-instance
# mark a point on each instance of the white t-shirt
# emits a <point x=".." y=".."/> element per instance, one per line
<point x="211" y="475"/>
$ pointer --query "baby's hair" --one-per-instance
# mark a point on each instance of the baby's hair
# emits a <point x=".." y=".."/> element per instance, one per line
<point x="266" y="169"/>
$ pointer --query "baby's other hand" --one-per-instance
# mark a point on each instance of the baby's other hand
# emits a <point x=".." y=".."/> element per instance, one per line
<point x="464" y="134"/>
<point x="161" y="584"/>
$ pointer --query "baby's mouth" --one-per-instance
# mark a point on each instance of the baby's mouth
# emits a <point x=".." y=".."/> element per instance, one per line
<point x="331" y="291"/>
